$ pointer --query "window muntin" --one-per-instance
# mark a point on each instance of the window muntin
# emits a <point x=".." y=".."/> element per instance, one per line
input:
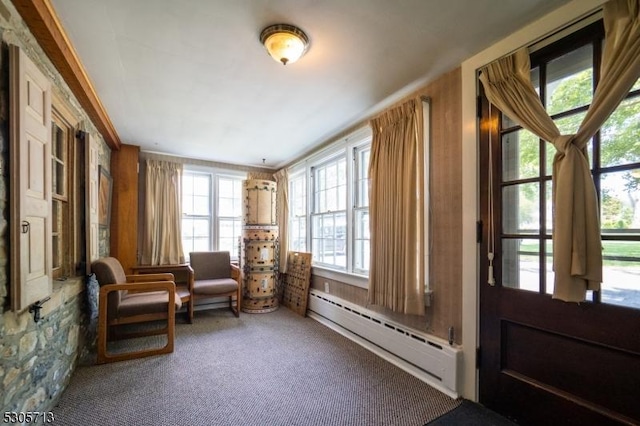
<point x="568" y="79"/>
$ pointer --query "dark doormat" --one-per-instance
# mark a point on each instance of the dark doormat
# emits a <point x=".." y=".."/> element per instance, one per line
<point x="470" y="413"/>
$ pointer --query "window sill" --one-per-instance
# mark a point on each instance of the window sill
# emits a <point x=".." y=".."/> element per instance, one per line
<point x="344" y="277"/>
<point x="63" y="291"/>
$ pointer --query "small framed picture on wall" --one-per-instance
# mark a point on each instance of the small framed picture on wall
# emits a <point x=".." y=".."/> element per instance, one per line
<point x="104" y="197"/>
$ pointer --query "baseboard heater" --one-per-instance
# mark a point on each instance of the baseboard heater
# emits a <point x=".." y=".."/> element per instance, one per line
<point x="428" y="358"/>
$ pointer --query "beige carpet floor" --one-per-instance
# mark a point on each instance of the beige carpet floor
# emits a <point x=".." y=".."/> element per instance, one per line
<point x="260" y="369"/>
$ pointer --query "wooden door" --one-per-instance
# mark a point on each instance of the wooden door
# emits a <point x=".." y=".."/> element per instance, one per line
<point x="30" y="167"/>
<point x="544" y="361"/>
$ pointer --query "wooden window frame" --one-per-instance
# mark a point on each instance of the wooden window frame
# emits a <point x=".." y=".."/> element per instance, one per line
<point x="73" y="210"/>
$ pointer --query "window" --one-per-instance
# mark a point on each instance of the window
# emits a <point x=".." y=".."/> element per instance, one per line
<point x="361" y="211"/>
<point x="229" y="214"/>
<point x="211" y="211"/>
<point x="60" y="133"/>
<point x="298" y="212"/>
<point x="66" y="200"/>
<point x="333" y="220"/>
<point x="329" y="216"/>
<point x="565" y="77"/>
<point x="196" y="212"/>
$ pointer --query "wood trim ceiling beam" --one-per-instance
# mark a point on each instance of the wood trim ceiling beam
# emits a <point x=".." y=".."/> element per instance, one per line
<point x="40" y="17"/>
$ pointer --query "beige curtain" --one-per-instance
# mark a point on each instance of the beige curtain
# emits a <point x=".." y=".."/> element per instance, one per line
<point x="577" y="248"/>
<point x="282" y="215"/>
<point x="162" y="240"/>
<point x="396" y="207"/>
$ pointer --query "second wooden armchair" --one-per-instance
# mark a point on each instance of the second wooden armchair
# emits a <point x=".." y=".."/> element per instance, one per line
<point x="215" y="276"/>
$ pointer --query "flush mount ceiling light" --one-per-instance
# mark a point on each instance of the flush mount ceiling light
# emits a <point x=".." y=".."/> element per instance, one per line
<point x="285" y="43"/>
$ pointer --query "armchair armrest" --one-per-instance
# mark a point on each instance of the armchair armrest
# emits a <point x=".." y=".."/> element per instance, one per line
<point x="235" y="272"/>
<point x="144" y="278"/>
<point x="191" y="277"/>
<point x="142" y="287"/>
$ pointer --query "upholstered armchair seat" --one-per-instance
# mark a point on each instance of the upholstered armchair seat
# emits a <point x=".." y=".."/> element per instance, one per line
<point x="216" y="286"/>
<point x="145" y="303"/>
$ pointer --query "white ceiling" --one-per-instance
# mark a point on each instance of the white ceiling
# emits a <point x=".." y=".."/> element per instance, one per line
<point x="191" y="78"/>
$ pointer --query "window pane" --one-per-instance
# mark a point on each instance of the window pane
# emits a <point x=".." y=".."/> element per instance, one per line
<point x="201" y="185"/>
<point x="329" y="239"/>
<point x="520" y="155"/>
<point x="620" y="198"/>
<point x="361" y="242"/>
<point x="201" y="228"/>
<point x="225" y="207"/>
<point x="548" y="261"/>
<point x="362" y="256"/>
<point x="550" y="152"/>
<point x="548" y="207"/>
<point x="225" y="187"/>
<point x="620" y="135"/>
<point x="621" y="269"/>
<point x="570" y="80"/>
<point x="520" y="264"/>
<point x="361" y="224"/>
<point x="342" y="197"/>
<point x="330" y="186"/>
<point x="570" y="124"/>
<point x="521" y="208"/>
<point x="201" y="244"/>
<point x="201" y="205"/>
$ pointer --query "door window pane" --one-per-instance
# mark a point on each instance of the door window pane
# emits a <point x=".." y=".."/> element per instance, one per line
<point x="520" y="155"/>
<point x="548" y="257"/>
<point x="620" y="135"/>
<point x="521" y="208"/>
<point x="621" y="271"/>
<point x="620" y="202"/>
<point x="520" y="264"/>
<point x="570" y="81"/>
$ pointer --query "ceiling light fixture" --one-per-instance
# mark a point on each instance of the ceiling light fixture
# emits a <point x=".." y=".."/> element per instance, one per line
<point x="285" y="43"/>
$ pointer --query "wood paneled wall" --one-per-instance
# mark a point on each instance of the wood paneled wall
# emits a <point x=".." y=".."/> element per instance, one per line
<point x="445" y="212"/>
<point x="124" y="207"/>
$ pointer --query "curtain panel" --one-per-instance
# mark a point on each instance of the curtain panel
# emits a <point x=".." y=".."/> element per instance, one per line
<point x="162" y="237"/>
<point x="577" y="247"/>
<point x="396" y="210"/>
<point x="282" y="216"/>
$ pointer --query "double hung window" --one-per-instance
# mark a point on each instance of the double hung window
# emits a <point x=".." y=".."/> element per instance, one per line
<point x="211" y="211"/>
<point x="329" y="207"/>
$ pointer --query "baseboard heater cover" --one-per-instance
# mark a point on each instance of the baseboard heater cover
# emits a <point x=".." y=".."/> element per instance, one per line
<point x="428" y="358"/>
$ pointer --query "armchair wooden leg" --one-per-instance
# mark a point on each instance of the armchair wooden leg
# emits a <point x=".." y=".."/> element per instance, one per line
<point x="190" y="310"/>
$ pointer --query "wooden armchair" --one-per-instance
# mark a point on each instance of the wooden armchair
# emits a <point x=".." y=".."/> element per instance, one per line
<point x="130" y="299"/>
<point x="215" y="276"/>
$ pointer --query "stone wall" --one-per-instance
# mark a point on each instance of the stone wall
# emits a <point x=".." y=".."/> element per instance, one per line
<point x="38" y="359"/>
